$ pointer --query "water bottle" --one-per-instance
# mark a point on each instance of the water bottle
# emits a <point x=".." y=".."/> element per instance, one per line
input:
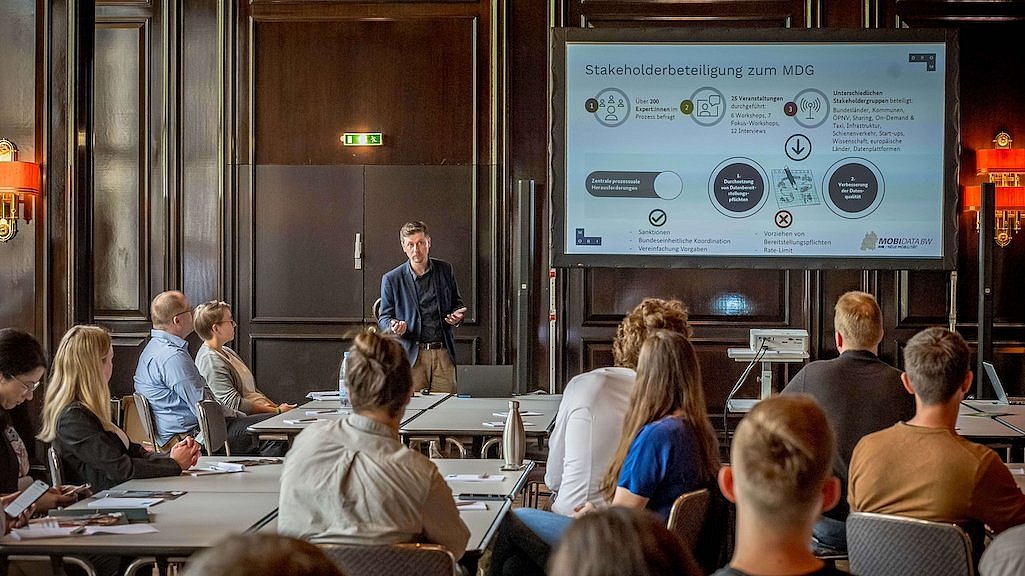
<point x="514" y="438"/>
<point x="343" y="389"/>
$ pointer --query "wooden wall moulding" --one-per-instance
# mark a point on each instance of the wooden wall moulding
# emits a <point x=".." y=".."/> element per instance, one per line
<point x="940" y="13"/>
<point x="122" y="170"/>
<point x="646" y="13"/>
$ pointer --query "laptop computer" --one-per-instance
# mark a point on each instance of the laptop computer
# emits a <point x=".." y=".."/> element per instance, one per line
<point x="1002" y="397"/>
<point x="484" y="380"/>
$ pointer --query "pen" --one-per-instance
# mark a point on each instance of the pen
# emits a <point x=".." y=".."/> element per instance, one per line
<point x="790" y="175"/>
<point x="479" y="497"/>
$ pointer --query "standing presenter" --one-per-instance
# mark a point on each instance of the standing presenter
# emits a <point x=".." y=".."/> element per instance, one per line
<point x="420" y="303"/>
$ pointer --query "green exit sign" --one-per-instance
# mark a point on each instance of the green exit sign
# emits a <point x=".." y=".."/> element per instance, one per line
<point x="362" y="139"/>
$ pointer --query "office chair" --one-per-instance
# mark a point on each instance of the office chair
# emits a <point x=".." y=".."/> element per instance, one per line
<point x="888" y="545"/>
<point x="149" y="423"/>
<point x="213" y="427"/>
<point x="386" y="560"/>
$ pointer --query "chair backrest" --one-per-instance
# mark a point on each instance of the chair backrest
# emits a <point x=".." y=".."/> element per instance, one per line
<point x="375" y="309"/>
<point x="884" y="544"/>
<point x="405" y="559"/>
<point x="53" y="460"/>
<point x="213" y="427"/>
<point x="485" y="380"/>
<point x="149" y="424"/>
<point x="687" y="516"/>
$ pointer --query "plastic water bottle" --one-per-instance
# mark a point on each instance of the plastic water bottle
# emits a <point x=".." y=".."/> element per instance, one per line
<point x="343" y="389"/>
<point x="514" y="438"/>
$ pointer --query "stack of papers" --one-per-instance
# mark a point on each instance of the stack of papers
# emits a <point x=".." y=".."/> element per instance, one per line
<point x="114" y="502"/>
<point x="216" y="468"/>
<point x="40" y="531"/>
<point x="323" y="395"/>
<point x="483" y="477"/>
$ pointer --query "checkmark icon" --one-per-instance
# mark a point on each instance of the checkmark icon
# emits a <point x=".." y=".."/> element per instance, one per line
<point x="657" y="217"/>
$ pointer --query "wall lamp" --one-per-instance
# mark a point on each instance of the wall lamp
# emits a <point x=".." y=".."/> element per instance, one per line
<point x="20" y="182"/>
<point x="1005" y="167"/>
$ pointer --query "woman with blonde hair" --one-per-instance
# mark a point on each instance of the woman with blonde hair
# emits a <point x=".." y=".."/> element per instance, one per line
<point x="76" y="418"/>
<point x="668" y="447"/>
<point x="228" y="377"/>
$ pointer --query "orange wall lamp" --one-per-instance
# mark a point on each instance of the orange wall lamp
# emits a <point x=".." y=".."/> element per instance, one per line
<point x="20" y="183"/>
<point x="1005" y="168"/>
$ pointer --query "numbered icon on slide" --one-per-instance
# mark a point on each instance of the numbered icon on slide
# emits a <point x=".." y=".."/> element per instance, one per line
<point x="613" y="107"/>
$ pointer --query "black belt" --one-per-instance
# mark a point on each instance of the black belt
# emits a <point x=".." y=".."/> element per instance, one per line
<point x="431" y="345"/>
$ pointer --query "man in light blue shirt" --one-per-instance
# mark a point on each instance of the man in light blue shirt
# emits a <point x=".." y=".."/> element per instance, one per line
<point x="167" y="376"/>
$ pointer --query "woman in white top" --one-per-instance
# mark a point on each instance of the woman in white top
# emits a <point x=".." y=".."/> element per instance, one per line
<point x="226" y="374"/>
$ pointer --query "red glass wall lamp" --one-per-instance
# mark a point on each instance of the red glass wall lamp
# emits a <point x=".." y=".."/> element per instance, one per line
<point x="1005" y="167"/>
<point x="20" y="183"/>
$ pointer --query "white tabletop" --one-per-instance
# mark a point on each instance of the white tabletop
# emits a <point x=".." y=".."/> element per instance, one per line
<point x="511" y="483"/>
<point x="192" y="522"/>
<point x="985" y="426"/>
<point x="466" y="416"/>
<point x="276" y="424"/>
<point x="262" y="478"/>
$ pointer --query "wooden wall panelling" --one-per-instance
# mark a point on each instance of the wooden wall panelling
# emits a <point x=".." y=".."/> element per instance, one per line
<point x="206" y="217"/>
<point x="19" y="118"/>
<point x="122" y="185"/>
<point x="303" y="225"/>
<point x="289" y="366"/>
<point x="736" y="14"/>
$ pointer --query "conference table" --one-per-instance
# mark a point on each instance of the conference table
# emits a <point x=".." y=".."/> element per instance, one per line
<point x="213" y="506"/>
<point x="461" y="416"/>
<point x="294" y="421"/>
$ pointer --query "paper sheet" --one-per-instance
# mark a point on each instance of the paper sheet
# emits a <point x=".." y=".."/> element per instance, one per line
<point x="470" y="505"/>
<point x="111" y="502"/>
<point x="522" y="413"/>
<point x="485" y="477"/>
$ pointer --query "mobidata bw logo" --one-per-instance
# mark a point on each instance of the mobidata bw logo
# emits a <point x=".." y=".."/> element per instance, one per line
<point x="869" y="241"/>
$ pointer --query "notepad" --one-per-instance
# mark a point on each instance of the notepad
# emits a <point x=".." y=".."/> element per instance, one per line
<point x="329" y="411"/>
<point x="216" y="468"/>
<point x="485" y="477"/>
<point x="112" y="502"/>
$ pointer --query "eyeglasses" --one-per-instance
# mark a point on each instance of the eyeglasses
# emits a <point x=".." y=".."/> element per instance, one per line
<point x="185" y="311"/>
<point x="29" y="386"/>
<point x="233" y="323"/>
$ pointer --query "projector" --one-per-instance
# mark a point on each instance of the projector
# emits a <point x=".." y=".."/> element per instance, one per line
<point x="783" y="340"/>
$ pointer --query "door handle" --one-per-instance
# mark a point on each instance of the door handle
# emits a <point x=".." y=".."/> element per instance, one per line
<point x="357" y="252"/>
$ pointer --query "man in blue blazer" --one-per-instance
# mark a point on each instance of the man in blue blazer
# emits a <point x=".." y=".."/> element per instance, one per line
<point x="420" y="303"/>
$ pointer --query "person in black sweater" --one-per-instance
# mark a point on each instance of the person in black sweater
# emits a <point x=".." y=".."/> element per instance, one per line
<point x="76" y="419"/>
<point x="860" y="394"/>
<point x="22" y="366"/>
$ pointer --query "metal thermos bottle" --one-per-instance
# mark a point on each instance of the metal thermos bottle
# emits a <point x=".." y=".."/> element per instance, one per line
<point x="514" y="438"/>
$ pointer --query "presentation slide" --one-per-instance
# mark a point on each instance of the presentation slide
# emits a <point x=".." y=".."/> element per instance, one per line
<point x="755" y="149"/>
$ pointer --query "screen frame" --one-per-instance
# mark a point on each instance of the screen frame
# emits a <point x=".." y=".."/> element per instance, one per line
<point x="950" y="216"/>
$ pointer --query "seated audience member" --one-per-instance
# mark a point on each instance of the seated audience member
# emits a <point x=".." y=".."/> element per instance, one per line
<point x="259" y="554"/>
<point x="667" y="447"/>
<point x="780" y="480"/>
<point x="590" y="419"/>
<point x="352" y="481"/>
<point x="620" y="540"/>
<point x="22" y="366"/>
<point x="859" y="392"/>
<point x="76" y="418"/>
<point x="169" y="379"/>
<point x="226" y="374"/>
<point x="1005" y="555"/>
<point x="923" y="468"/>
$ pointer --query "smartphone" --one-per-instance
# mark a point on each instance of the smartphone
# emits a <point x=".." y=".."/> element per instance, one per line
<point x="27" y="498"/>
<point x="78" y="489"/>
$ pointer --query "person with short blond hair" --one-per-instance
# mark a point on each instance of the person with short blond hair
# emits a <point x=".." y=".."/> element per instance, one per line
<point x="780" y="479"/>
<point x="590" y="419"/>
<point x="859" y="392"/>
<point x="923" y="468"/>
<point x="228" y="377"/>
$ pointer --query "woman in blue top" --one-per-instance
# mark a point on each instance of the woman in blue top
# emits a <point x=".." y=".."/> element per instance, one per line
<point x="668" y="447"/>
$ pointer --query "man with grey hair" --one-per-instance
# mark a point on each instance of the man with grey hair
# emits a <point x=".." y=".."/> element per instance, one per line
<point x="922" y="468"/>
<point x="859" y="392"/>
<point x="420" y="303"/>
